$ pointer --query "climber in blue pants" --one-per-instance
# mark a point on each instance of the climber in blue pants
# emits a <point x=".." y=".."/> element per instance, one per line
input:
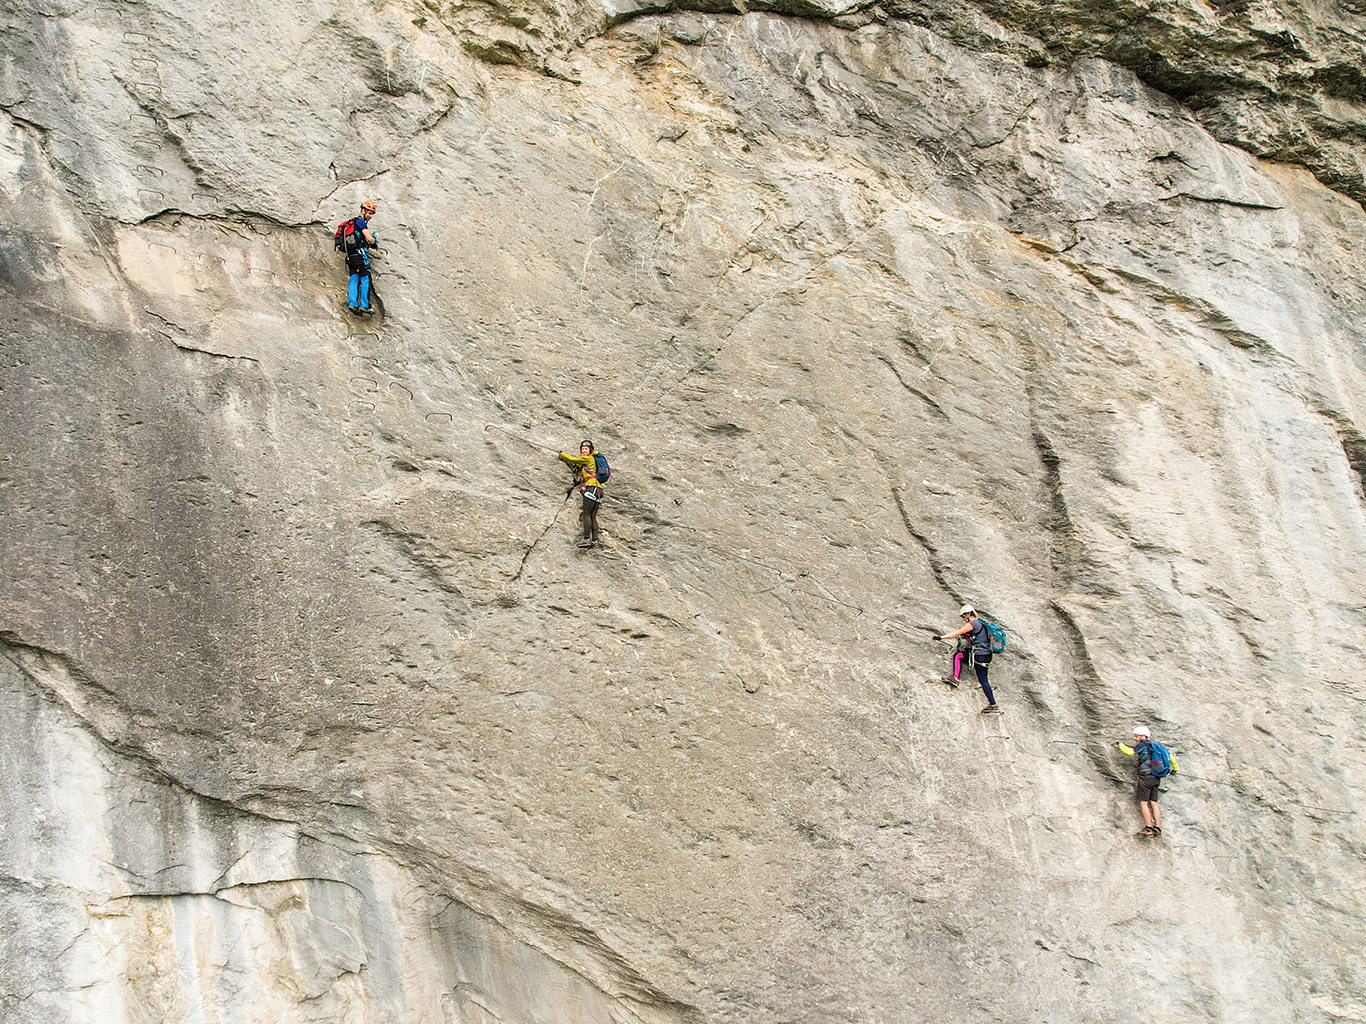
<point x="355" y="239"/>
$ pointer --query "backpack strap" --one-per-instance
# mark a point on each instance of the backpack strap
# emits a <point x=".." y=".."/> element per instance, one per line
<point x="980" y="638"/>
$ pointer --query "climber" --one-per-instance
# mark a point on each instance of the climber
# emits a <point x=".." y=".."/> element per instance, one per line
<point x="1154" y="764"/>
<point x="355" y="239"/>
<point x="974" y="647"/>
<point x="590" y="473"/>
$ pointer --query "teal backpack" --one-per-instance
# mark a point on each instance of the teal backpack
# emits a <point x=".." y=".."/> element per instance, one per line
<point x="1159" y="760"/>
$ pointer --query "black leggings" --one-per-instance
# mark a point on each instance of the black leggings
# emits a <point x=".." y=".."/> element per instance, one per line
<point x="592" y="498"/>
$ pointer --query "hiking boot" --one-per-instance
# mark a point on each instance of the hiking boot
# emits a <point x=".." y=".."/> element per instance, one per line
<point x="991" y="709"/>
<point x="586" y="543"/>
<point x="367" y="311"/>
<point x="950" y="680"/>
<point x="356" y="310"/>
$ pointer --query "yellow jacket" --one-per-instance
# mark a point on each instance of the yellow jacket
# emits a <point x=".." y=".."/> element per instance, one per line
<point x="585" y="466"/>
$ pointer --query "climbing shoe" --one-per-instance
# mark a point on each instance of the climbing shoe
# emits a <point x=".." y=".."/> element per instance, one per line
<point x="991" y="709"/>
<point x="950" y="680"/>
<point x="356" y="310"/>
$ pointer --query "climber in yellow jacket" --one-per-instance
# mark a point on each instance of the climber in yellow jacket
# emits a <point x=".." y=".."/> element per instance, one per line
<point x="1155" y="763"/>
<point x="590" y="473"/>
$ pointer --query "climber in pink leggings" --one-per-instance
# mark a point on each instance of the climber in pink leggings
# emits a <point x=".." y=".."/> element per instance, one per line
<point x="974" y="647"/>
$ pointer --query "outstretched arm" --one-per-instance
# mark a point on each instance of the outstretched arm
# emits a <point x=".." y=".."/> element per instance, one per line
<point x="957" y="632"/>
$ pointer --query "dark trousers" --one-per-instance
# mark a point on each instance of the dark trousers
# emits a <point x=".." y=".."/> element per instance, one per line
<point x="980" y="662"/>
<point x="592" y="499"/>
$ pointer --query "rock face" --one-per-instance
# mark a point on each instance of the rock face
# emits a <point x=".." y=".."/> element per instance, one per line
<point x="313" y="710"/>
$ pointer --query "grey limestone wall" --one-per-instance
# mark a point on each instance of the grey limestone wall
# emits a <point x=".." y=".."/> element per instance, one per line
<point x="314" y="710"/>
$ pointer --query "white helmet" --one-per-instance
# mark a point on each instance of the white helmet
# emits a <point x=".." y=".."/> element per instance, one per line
<point x="967" y="609"/>
<point x="1141" y="730"/>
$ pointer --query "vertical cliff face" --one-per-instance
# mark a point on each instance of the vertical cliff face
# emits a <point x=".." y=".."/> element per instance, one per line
<point x="313" y="710"/>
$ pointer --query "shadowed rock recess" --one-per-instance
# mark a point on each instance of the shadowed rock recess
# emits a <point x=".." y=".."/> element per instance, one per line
<point x="311" y="710"/>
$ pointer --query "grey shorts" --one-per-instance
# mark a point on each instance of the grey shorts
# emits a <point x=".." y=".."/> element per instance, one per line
<point x="1146" y="790"/>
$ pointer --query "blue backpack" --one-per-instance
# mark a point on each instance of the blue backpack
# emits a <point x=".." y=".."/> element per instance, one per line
<point x="996" y="637"/>
<point x="600" y="468"/>
<point x="1159" y="760"/>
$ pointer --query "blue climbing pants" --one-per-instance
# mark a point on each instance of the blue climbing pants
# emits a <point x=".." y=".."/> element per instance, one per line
<point x="358" y="294"/>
